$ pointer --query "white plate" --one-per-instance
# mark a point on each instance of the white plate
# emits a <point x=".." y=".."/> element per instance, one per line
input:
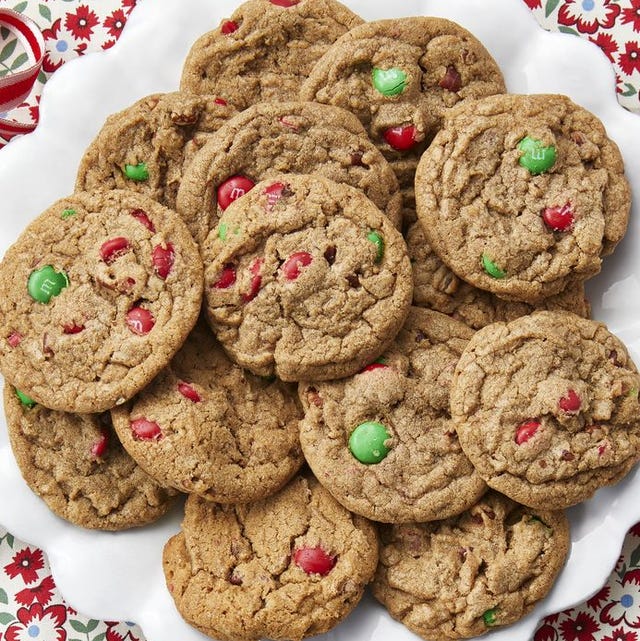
<point x="118" y="575"/>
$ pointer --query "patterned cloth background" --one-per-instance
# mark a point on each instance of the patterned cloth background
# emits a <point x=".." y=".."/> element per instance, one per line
<point x="31" y="608"/>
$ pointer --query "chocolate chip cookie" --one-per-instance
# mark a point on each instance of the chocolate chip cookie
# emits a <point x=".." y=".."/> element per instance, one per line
<point x="519" y="194"/>
<point x="206" y="426"/>
<point x="76" y="464"/>
<point x="546" y="407"/>
<point x="436" y="287"/>
<point x="99" y="292"/>
<point x="461" y="577"/>
<point x="289" y="567"/>
<point x="291" y="137"/>
<point x="265" y="50"/>
<point x="399" y="76"/>
<point x="305" y="279"/>
<point x="382" y="441"/>
<point x="146" y="147"/>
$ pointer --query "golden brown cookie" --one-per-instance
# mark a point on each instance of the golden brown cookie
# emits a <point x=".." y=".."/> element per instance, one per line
<point x="305" y="279"/>
<point x="546" y="407"/>
<point x="208" y="427"/>
<point x="382" y="441"/>
<point x="435" y="286"/>
<point x="458" y="578"/>
<point x="76" y="464"/>
<point x="147" y="146"/>
<point x="520" y="194"/>
<point x="291" y="137"/>
<point x="99" y="292"/>
<point x="264" y="50"/>
<point x="289" y="567"/>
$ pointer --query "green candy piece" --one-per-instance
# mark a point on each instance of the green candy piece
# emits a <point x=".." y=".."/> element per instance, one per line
<point x="222" y="231"/>
<point x="489" y="616"/>
<point x="366" y="442"/>
<point x="633" y="392"/>
<point x="138" y="172"/>
<point x="378" y="241"/>
<point x="491" y="268"/>
<point x="27" y="401"/>
<point x="536" y="157"/>
<point x="45" y="283"/>
<point x="389" y="82"/>
<point x="67" y="213"/>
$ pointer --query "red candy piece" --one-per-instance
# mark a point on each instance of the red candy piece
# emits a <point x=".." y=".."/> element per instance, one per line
<point x="284" y="3"/>
<point x="372" y="366"/>
<point x="145" y="430"/>
<point x="72" y="328"/>
<point x="189" y="392"/>
<point x="256" y="280"/>
<point x="162" y="258"/>
<point x="570" y="403"/>
<point x="283" y="121"/>
<point x="314" y="560"/>
<point x="220" y="101"/>
<point x="559" y="218"/>
<point x="113" y="248"/>
<point x="293" y="264"/>
<point x="526" y="431"/>
<point x="228" y="26"/>
<point x="274" y="194"/>
<point x="141" y="216"/>
<point x="401" y="138"/>
<point x="451" y="81"/>
<point x="140" y="320"/>
<point x="227" y="278"/>
<point x="15" y="338"/>
<point x="100" y="446"/>
<point x="232" y="188"/>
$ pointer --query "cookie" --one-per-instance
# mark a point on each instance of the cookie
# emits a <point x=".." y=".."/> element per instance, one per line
<point x="436" y="287"/>
<point x="399" y="76"/>
<point x="518" y="194"/>
<point x="75" y="463"/>
<point x="265" y="50"/>
<point x="147" y="146"/>
<point x="99" y="291"/>
<point x="546" y="407"/>
<point x="382" y="441"/>
<point x="460" y="577"/>
<point x="291" y="137"/>
<point x="305" y="279"/>
<point x="206" y="426"/>
<point x="289" y="567"/>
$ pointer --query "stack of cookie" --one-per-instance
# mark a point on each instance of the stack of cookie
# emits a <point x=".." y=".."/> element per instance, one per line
<point x="332" y="291"/>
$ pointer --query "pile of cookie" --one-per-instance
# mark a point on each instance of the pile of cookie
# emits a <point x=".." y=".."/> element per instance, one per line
<point x="332" y="291"/>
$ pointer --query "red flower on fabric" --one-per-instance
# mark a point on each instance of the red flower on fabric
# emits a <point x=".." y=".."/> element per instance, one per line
<point x="81" y="23"/>
<point x="533" y="4"/>
<point x="41" y="593"/>
<point x="546" y="632"/>
<point x="26" y="564"/>
<point x="623" y="606"/>
<point x="596" y="601"/>
<point x="588" y="16"/>
<point x="114" y="23"/>
<point x="632" y="15"/>
<point x="128" y="5"/>
<point x="620" y="634"/>
<point x="606" y="42"/>
<point x="629" y="61"/>
<point x="120" y="631"/>
<point x="582" y="628"/>
<point x="37" y="622"/>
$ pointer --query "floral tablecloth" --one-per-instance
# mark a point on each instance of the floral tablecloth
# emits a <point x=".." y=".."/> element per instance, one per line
<point x="31" y="608"/>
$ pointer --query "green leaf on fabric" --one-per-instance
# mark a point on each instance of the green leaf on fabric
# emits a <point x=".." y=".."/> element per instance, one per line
<point x="78" y="626"/>
<point x="8" y="49"/>
<point x="3" y="596"/>
<point x="631" y="90"/>
<point x="634" y="559"/>
<point x="573" y="32"/>
<point x="550" y="7"/>
<point x="45" y="12"/>
<point x="99" y="637"/>
<point x="92" y="624"/>
<point x="20" y="7"/>
<point x="19" y="61"/>
<point x="6" y="617"/>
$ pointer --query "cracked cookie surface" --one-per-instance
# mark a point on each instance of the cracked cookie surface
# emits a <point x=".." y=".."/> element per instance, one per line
<point x="100" y="291"/>
<point x="208" y="427"/>
<point x="291" y="137"/>
<point x="289" y="567"/>
<point x="436" y="287"/>
<point x="264" y="50"/>
<point x="305" y="279"/>
<point x="75" y="463"/>
<point x="460" y="577"/>
<point x="546" y="407"/>
<point x="518" y="194"/>
<point x="147" y="146"/>
<point x="424" y="474"/>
